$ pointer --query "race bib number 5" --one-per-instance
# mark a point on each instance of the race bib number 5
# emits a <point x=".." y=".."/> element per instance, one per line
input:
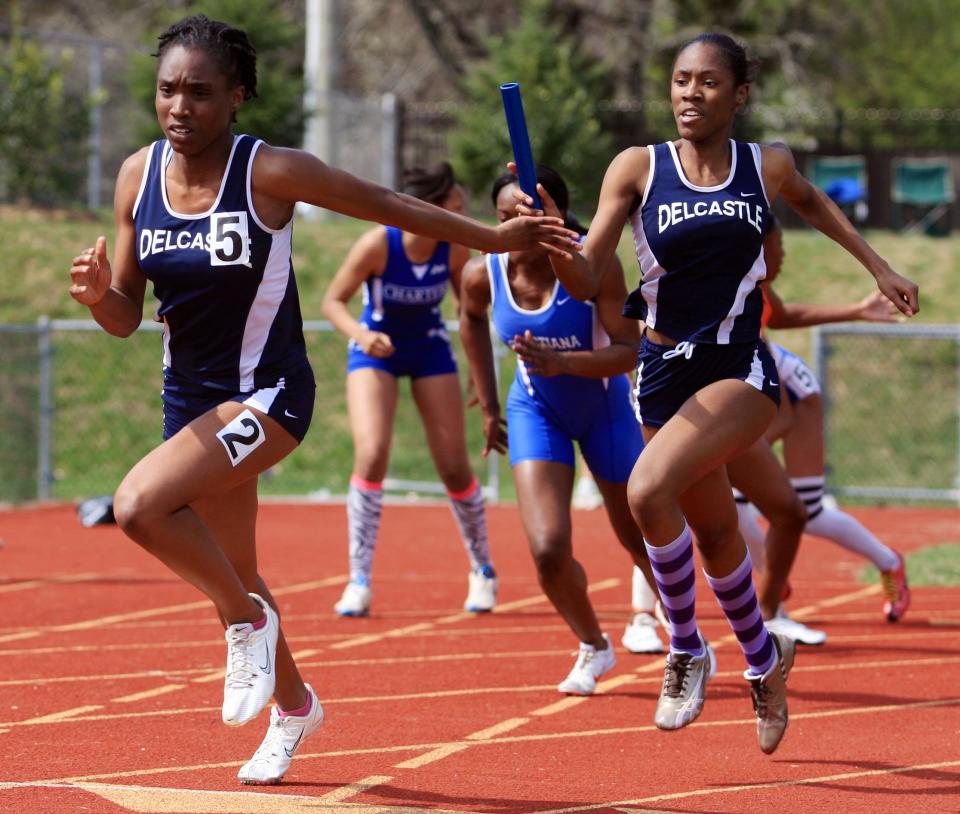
<point x="229" y="239"/>
<point x="242" y="436"/>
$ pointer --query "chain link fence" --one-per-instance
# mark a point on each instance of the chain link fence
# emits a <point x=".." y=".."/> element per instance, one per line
<point x="78" y="408"/>
<point x="891" y="396"/>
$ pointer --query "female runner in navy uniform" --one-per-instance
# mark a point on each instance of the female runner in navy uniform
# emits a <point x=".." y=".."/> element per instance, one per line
<point x="707" y="387"/>
<point x="401" y="333"/>
<point x="206" y="217"/>
<point x="570" y="386"/>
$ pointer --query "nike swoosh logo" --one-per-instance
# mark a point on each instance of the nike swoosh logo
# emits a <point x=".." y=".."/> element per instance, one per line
<point x="773" y="383"/>
<point x="293" y="748"/>
<point x="267" y="667"/>
<point x="561" y="302"/>
<point x="747" y="194"/>
<point x="288" y="414"/>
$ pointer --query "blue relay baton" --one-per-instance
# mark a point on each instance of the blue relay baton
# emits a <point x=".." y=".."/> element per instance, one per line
<point x="520" y="139"/>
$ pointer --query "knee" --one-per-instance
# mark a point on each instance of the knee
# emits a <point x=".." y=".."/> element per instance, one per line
<point x="551" y="556"/>
<point x="370" y="462"/>
<point x="790" y="515"/>
<point x="647" y="499"/>
<point x="713" y="540"/>
<point x="133" y="512"/>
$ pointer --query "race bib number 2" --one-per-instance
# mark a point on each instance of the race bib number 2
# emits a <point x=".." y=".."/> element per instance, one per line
<point x="242" y="436"/>
<point x="229" y="239"/>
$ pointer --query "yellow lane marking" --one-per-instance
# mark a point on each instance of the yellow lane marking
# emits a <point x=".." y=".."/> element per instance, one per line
<point x="508" y="739"/>
<point x="451" y="748"/>
<point x="433" y="755"/>
<point x="497" y="729"/>
<point x="632" y="678"/>
<point x="153" y="800"/>
<point x="103" y="621"/>
<point x="140" y="696"/>
<point x="26" y="585"/>
<point x="204" y="673"/>
<point x="56" y="717"/>
<point x="360" y="786"/>
<point x="804" y="781"/>
<point x="832" y="602"/>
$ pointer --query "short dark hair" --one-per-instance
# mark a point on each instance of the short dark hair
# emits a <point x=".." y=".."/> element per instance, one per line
<point x="229" y="46"/>
<point x="553" y="183"/>
<point x="740" y="64"/>
<point x="431" y="184"/>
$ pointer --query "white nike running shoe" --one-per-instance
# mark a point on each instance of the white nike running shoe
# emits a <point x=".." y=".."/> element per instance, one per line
<point x="641" y="636"/>
<point x="591" y="664"/>
<point x="482" y="590"/>
<point x="792" y="629"/>
<point x="250" y="676"/>
<point x="273" y="757"/>
<point x="355" y="600"/>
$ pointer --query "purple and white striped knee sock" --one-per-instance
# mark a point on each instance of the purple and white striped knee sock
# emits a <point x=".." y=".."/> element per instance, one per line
<point x="674" y="571"/>
<point x="738" y="601"/>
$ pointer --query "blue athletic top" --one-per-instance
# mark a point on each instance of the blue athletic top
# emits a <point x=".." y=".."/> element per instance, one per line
<point x="700" y="250"/>
<point x="405" y="300"/>
<point x="564" y="324"/>
<point x="228" y="297"/>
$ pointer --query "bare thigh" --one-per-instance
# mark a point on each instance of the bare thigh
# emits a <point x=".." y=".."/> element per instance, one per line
<point x="201" y="461"/>
<point x="803" y="451"/>
<point x="441" y="409"/>
<point x="372" y="405"/>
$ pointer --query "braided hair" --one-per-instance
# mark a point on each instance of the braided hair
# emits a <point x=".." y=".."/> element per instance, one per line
<point x="229" y="46"/>
<point x="738" y="62"/>
<point x="430" y="184"/>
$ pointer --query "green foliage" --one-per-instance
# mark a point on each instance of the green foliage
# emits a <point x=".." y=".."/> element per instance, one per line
<point x="42" y="148"/>
<point x="937" y="565"/>
<point x="277" y="114"/>
<point x="562" y="87"/>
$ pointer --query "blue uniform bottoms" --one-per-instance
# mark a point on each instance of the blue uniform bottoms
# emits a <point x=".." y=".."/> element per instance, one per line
<point x="667" y="376"/>
<point x="605" y="428"/>
<point x="429" y="355"/>
<point x="289" y="403"/>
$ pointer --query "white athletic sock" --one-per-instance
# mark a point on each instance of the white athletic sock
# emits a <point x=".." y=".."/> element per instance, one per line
<point x="364" y="507"/>
<point x="810" y="490"/>
<point x="642" y="596"/>
<point x="468" y="511"/>
<point x="848" y="532"/>
<point x="752" y="534"/>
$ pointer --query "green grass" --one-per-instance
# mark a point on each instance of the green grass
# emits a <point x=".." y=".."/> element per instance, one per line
<point x="936" y="565"/>
<point x="107" y="410"/>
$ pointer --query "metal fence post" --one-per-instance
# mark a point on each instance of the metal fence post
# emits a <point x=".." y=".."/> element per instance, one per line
<point x="45" y="434"/>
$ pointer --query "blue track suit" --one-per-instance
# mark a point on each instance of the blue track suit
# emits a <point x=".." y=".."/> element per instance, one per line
<point x="404" y="303"/>
<point x="546" y="414"/>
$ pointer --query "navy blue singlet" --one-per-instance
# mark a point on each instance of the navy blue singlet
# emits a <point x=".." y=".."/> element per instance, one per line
<point x="228" y="297"/>
<point x="700" y="250"/>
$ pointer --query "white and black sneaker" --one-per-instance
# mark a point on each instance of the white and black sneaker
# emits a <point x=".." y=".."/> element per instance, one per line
<point x="284" y="735"/>
<point x="250" y="677"/>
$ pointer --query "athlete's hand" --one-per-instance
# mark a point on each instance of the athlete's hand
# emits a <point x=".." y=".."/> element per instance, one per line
<point x="537" y="357"/>
<point x="549" y="234"/>
<point x="376" y="344"/>
<point x="90" y="274"/>
<point x="875" y="307"/>
<point x="903" y="293"/>
<point x="494" y="433"/>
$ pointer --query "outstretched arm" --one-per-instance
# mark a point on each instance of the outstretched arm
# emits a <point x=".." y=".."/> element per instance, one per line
<point x="622" y="189"/>
<point x="294" y="175"/>
<point x="475" y="336"/>
<point x="875" y="307"/>
<point x="780" y="177"/>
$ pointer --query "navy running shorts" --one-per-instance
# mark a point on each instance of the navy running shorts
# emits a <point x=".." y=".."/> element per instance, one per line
<point x="430" y="355"/>
<point x="667" y="376"/>
<point x="289" y="402"/>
